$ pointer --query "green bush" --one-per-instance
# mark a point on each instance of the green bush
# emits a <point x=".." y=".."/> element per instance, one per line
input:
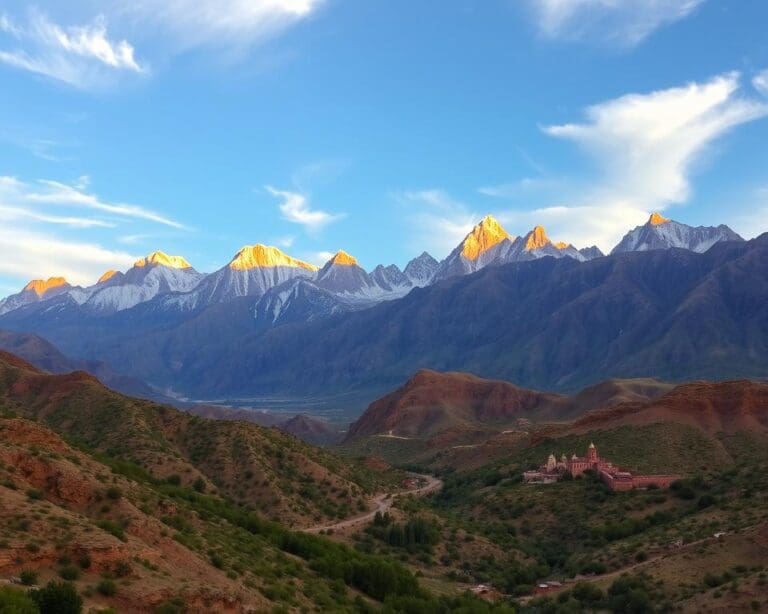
<point x="58" y="598"/>
<point x="107" y="587"/>
<point x="14" y="601"/>
<point x="28" y="577"/>
<point x="112" y="527"/>
<point x="69" y="572"/>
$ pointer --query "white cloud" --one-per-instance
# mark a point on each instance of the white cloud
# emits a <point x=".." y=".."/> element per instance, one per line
<point x="319" y="258"/>
<point x="516" y="188"/>
<point x="31" y="248"/>
<point x="646" y="147"/>
<point x="296" y="209"/>
<point x="621" y="22"/>
<point x="46" y="192"/>
<point x="286" y="241"/>
<point x="27" y="255"/>
<point x="760" y="82"/>
<point x="10" y="214"/>
<point x="81" y="56"/>
<point x="219" y="23"/>
<point x="436" y="222"/>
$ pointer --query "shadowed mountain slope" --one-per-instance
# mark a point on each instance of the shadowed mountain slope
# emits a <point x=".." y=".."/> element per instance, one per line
<point x="431" y="403"/>
<point x="250" y="464"/>
<point x="548" y="324"/>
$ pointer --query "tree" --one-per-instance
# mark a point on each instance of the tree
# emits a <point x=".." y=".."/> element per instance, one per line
<point x="13" y="601"/>
<point x="58" y="598"/>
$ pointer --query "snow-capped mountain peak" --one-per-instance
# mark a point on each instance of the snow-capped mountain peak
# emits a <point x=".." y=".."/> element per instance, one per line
<point x="41" y="287"/>
<point x="162" y="259"/>
<point x="342" y="258"/>
<point x="661" y="233"/>
<point x="538" y="239"/>
<point x="110" y="275"/>
<point x="657" y="219"/>
<point x="265" y="256"/>
<point x="35" y="291"/>
<point x="483" y="237"/>
<point x="421" y="269"/>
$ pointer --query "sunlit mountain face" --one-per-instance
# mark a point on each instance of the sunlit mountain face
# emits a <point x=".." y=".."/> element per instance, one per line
<point x="176" y="287"/>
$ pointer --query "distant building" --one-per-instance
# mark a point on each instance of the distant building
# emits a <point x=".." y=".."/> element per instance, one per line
<point x="616" y="478"/>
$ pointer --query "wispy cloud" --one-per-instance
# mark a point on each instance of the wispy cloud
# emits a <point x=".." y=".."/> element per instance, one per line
<point x="47" y="192"/>
<point x="646" y="148"/>
<point x="27" y="255"/>
<point x="513" y="189"/>
<point x="621" y="22"/>
<point x="319" y="258"/>
<point x="760" y="82"/>
<point x="10" y="214"/>
<point x="81" y="55"/>
<point x="647" y="144"/>
<point x="47" y="228"/>
<point x="219" y="23"/>
<point x="296" y="209"/>
<point x="436" y="221"/>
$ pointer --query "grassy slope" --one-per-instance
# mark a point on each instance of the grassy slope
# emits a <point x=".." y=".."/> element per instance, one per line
<point x="578" y="527"/>
<point x="275" y="472"/>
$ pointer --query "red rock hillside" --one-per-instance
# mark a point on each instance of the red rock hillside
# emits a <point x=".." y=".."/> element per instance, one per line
<point x="431" y="402"/>
<point x="740" y="405"/>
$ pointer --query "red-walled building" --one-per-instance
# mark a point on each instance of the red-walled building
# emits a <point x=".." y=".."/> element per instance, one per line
<point x="616" y="478"/>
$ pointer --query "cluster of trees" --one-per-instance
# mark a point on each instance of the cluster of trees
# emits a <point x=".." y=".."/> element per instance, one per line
<point x="54" y="598"/>
<point x="416" y="534"/>
<point x="629" y="594"/>
<point x="627" y="527"/>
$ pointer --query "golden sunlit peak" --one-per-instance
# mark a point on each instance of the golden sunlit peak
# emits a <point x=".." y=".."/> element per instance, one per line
<point x="537" y="238"/>
<point x="657" y="219"/>
<point x="163" y="259"/>
<point x="487" y="234"/>
<point x="342" y="258"/>
<point x="259" y="256"/>
<point x="107" y="276"/>
<point x="562" y="245"/>
<point x="42" y="286"/>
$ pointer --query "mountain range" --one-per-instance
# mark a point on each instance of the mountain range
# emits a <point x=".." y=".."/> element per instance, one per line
<point x="522" y="308"/>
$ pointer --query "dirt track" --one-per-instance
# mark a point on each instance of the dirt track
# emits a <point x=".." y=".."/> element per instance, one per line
<point x="382" y="503"/>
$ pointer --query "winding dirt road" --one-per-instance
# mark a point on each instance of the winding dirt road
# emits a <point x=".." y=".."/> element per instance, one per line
<point x="382" y="503"/>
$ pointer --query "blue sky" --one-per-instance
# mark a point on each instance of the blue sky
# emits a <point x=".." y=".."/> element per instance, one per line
<point x="382" y="127"/>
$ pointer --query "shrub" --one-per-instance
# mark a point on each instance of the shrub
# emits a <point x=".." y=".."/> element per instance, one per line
<point x="58" y="598"/>
<point x="69" y="572"/>
<point x="107" y="587"/>
<point x="114" y="493"/>
<point x="28" y="577"/>
<point x="112" y="527"/>
<point x="199" y="485"/>
<point x="14" y="601"/>
<point x="34" y="495"/>
<point x="123" y="569"/>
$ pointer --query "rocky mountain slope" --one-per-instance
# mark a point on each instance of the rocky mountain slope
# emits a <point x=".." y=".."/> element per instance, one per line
<point x="523" y="309"/>
<point x="721" y="407"/>
<point x="247" y="463"/>
<point x="547" y="324"/>
<point x="47" y="357"/>
<point x="430" y="403"/>
<point x="35" y="291"/>
<point x="662" y="233"/>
